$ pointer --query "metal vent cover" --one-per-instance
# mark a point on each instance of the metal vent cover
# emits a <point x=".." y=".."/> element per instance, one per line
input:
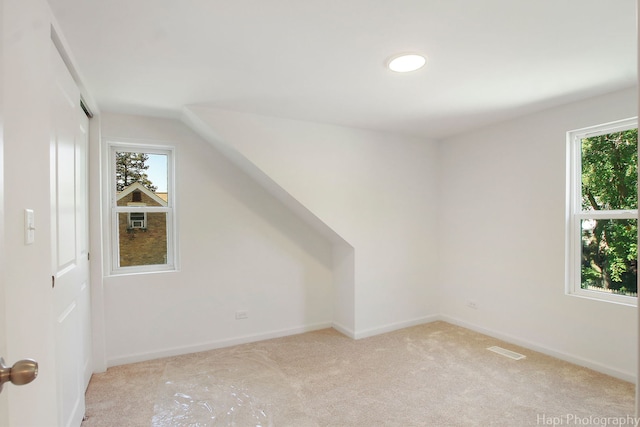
<point x="507" y="353"/>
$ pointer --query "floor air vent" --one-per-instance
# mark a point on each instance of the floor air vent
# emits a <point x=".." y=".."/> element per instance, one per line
<point x="507" y="353"/>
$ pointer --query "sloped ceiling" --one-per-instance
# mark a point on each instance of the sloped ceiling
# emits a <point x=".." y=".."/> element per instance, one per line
<point x="324" y="60"/>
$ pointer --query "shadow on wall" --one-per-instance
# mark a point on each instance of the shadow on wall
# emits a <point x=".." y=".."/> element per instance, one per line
<point x="283" y="222"/>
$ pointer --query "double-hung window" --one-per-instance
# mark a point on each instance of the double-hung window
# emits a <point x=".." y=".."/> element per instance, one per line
<point x="142" y="200"/>
<point x="602" y="212"/>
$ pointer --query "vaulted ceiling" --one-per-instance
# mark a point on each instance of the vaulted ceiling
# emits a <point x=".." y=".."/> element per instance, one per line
<point x="324" y="60"/>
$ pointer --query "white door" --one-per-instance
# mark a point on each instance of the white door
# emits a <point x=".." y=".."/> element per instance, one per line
<point x="4" y="403"/>
<point x="69" y="140"/>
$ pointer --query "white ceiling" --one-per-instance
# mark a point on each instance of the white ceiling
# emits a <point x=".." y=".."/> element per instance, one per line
<point x="324" y="60"/>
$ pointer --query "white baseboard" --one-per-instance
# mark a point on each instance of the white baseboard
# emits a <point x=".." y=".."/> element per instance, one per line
<point x="576" y="360"/>
<point x="344" y="330"/>
<point x="394" y="327"/>
<point x="176" y="351"/>
<point x="212" y="345"/>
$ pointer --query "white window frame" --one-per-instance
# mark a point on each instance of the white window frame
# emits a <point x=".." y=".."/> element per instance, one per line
<point x="575" y="214"/>
<point x="114" y="210"/>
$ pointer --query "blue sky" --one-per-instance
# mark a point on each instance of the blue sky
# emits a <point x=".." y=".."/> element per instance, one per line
<point x="157" y="171"/>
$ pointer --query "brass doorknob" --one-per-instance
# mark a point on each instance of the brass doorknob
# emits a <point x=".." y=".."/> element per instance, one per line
<point x="22" y="372"/>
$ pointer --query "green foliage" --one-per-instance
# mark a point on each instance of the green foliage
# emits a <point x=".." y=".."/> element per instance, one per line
<point x="130" y="168"/>
<point x="610" y="171"/>
<point x="609" y="182"/>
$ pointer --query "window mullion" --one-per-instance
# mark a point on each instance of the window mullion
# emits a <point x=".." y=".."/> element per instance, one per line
<point x="622" y="214"/>
<point x="142" y="209"/>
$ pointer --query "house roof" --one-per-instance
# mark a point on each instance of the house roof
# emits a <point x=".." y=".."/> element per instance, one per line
<point x="324" y="60"/>
<point x="137" y="186"/>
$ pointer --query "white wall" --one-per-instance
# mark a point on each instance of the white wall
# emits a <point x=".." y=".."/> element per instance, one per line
<point x="377" y="191"/>
<point x="502" y="234"/>
<point x="240" y="249"/>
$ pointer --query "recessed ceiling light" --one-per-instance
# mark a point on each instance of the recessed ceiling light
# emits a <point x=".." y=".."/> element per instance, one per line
<point x="407" y="62"/>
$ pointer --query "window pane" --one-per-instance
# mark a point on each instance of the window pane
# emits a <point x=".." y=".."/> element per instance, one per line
<point x="609" y="171"/>
<point x="143" y="246"/>
<point x="147" y="169"/>
<point x="609" y="255"/>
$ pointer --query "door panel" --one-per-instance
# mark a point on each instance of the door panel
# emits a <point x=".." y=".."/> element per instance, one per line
<point x="69" y="244"/>
<point x="4" y="402"/>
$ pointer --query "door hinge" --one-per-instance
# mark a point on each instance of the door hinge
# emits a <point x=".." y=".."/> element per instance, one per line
<point x="53" y="282"/>
<point x="88" y="256"/>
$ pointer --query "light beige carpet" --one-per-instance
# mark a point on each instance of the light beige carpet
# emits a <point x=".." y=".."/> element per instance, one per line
<point x="430" y="375"/>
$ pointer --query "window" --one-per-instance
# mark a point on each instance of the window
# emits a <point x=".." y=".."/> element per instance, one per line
<point x="602" y="220"/>
<point x="142" y="208"/>
<point x="136" y="196"/>
<point x="137" y="220"/>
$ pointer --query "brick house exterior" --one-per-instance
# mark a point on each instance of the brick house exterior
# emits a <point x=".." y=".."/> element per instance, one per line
<point x="142" y="235"/>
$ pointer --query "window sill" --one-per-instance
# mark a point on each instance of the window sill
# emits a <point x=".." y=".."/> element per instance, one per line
<point x="628" y="301"/>
<point x="132" y="271"/>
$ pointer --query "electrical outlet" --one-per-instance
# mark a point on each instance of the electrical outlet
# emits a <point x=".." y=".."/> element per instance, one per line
<point x="242" y="314"/>
<point x="472" y="304"/>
